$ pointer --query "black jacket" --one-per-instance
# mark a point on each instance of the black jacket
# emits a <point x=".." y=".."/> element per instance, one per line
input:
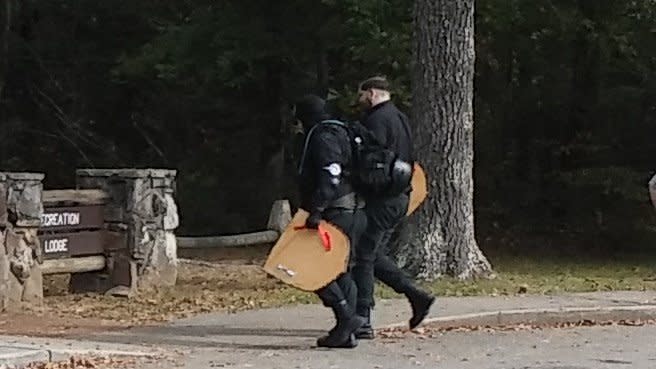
<point x="390" y="127"/>
<point x="323" y="171"/>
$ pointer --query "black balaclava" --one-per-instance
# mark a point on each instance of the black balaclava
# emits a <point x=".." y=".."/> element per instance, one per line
<point x="310" y="110"/>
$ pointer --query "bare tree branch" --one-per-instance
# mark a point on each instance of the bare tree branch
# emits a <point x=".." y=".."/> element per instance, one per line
<point x="150" y="141"/>
<point x="61" y="115"/>
<point x="72" y="125"/>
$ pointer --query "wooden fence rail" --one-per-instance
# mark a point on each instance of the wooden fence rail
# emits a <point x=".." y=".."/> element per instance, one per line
<point x="82" y="264"/>
<point x="246" y="239"/>
<point x="279" y="218"/>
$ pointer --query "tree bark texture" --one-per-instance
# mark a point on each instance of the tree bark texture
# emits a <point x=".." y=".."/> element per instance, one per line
<point x="442" y="239"/>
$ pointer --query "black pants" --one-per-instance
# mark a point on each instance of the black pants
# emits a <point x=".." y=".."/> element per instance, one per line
<point x="353" y="224"/>
<point x="371" y="258"/>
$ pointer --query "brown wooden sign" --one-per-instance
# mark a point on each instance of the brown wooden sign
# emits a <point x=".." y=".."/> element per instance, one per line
<point x="114" y="241"/>
<point x="63" y="245"/>
<point x="72" y="218"/>
<point x="73" y="225"/>
<point x="59" y="245"/>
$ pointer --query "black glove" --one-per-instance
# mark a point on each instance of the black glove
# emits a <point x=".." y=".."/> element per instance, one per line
<point x="313" y="221"/>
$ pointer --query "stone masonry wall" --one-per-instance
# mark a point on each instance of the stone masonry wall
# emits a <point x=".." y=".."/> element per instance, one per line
<point x="21" y="280"/>
<point x="143" y="204"/>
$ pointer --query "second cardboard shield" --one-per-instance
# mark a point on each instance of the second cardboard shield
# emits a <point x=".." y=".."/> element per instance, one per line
<point x="419" y="188"/>
<point x="308" y="259"/>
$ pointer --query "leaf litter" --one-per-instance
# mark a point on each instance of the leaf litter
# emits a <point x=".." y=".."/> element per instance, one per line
<point x="433" y="331"/>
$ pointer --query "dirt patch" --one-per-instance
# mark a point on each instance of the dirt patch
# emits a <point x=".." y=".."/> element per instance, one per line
<point x="199" y="289"/>
<point x="237" y="283"/>
<point x="50" y="325"/>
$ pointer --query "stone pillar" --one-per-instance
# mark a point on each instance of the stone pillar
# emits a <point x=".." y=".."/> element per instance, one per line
<point x="142" y="202"/>
<point x="21" y="208"/>
<point x="4" y="259"/>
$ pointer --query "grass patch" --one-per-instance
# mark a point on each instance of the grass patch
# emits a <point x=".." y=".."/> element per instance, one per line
<point x="235" y="287"/>
<point x="517" y="275"/>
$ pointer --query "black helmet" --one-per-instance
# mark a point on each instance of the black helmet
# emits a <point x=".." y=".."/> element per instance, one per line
<point x="310" y="110"/>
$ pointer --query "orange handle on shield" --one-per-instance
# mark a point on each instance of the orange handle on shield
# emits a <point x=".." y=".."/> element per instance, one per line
<point x="323" y="234"/>
<point x="325" y="239"/>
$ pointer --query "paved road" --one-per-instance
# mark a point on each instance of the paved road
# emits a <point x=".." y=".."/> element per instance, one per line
<point x="581" y="348"/>
<point x="283" y="338"/>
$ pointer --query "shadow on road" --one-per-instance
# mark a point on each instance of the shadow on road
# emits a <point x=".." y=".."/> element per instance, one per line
<point x="215" y="337"/>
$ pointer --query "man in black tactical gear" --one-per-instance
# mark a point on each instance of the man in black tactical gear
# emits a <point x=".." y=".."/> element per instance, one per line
<point x="384" y="212"/>
<point x="326" y="193"/>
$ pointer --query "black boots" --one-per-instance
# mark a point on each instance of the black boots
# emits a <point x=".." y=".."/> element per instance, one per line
<point x="421" y="303"/>
<point x="351" y="326"/>
<point x="366" y="332"/>
<point x="341" y="336"/>
<point x="326" y="341"/>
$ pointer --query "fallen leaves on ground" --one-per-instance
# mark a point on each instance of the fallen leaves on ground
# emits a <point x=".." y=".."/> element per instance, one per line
<point x="200" y="289"/>
<point x="105" y="362"/>
<point x="213" y="287"/>
<point x="432" y="331"/>
<point x="86" y="363"/>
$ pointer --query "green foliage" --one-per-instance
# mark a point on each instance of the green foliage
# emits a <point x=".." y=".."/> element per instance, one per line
<point x="549" y="276"/>
<point x="620" y="182"/>
<point x="564" y="97"/>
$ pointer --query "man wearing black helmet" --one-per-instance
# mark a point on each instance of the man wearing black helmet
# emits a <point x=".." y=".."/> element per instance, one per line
<point x="384" y="212"/>
<point x="326" y="193"/>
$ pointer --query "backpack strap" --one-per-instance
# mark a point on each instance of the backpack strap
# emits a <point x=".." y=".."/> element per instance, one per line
<point x="305" y="148"/>
<point x="335" y="122"/>
<point x="309" y="137"/>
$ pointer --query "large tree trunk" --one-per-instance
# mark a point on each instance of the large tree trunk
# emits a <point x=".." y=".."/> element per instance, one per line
<point x="443" y="83"/>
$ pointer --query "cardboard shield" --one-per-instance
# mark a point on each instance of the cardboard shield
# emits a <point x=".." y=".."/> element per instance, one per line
<point x="308" y="259"/>
<point x="419" y="188"/>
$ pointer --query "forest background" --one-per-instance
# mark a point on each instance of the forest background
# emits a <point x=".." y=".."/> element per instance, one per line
<point x="565" y="104"/>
